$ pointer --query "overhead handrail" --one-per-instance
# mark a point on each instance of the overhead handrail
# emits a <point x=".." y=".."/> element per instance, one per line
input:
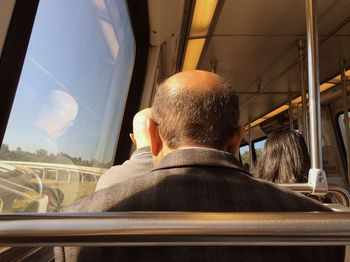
<point x="175" y="229"/>
<point x="296" y="62"/>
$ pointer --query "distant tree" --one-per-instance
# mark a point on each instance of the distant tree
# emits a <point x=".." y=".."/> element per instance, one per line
<point x="258" y="152"/>
<point x="5" y="148"/>
<point x="5" y="152"/>
<point x="245" y="157"/>
<point x="42" y="155"/>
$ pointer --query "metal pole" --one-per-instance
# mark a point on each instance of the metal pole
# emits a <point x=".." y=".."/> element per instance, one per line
<point x="153" y="56"/>
<point x="300" y="118"/>
<point x="346" y="118"/>
<point x="290" y="112"/>
<point x="176" y="229"/>
<point x="250" y="149"/>
<point x="213" y="66"/>
<point x="304" y="130"/>
<point x="317" y="176"/>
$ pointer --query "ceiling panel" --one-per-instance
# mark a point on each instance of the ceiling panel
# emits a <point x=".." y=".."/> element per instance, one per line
<point x="256" y="39"/>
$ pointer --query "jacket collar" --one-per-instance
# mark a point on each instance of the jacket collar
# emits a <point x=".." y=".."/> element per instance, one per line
<point x="142" y="152"/>
<point x="199" y="156"/>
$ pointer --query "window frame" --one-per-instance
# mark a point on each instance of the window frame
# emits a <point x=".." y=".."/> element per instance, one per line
<point x="11" y="63"/>
<point x="253" y="147"/>
<point x="239" y="151"/>
<point x="138" y="13"/>
<point x="13" y="55"/>
<point x="254" y="142"/>
<point x="340" y="136"/>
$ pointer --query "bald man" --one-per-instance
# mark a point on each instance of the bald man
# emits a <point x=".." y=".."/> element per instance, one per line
<point x="140" y="162"/>
<point x="194" y="134"/>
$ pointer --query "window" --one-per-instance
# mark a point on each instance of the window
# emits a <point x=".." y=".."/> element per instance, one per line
<point x="258" y="147"/>
<point x="342" y="125"/>
<point x="330" y="158"/>
<point x="65" y="121"/>
<point x="244" y="154"/>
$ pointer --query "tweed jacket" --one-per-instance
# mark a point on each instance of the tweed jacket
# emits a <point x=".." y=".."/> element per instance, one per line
<point x="197" y="179"/>
<point x="140" y="163"/>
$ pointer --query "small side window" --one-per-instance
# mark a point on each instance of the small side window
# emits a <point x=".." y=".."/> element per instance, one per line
<point x="244" y="156"/>
<point x="258" y="147"/>
<point x="342" y="126"/>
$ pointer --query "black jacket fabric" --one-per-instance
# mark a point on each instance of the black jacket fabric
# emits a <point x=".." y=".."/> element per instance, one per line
<point x="197" y="179"/>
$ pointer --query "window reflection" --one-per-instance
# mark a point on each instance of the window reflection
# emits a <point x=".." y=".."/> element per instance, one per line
<point x="64" y="124"/>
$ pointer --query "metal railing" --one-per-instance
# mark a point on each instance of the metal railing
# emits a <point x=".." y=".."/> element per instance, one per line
<point x="176" y="229"/>
<point x="342" y="194"/>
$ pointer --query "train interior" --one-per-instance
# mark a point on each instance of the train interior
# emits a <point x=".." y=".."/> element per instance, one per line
<point x="104" y="60"/>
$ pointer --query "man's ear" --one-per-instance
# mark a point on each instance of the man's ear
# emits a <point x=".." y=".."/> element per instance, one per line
<point x="235" y="140"/>
<point x="154" y="137"/>
<point x="132" y="138"/>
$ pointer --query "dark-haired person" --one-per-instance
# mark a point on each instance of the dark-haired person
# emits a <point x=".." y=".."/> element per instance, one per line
<point x="285" y="159"/>
<point x="194" y="134"/>
<point x="140" y="162"/>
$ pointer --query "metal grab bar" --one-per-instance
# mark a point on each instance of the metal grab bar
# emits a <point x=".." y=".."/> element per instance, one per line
<point x="342" y="194"/>
<point x="317" y="176"/>
<point x="176" y="229"/>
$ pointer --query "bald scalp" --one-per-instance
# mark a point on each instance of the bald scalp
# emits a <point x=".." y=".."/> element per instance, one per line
<point x="140" y="119"/>
<point x="197" y="80"/>
<point x="196" y="108"/>
<point x="140" y="135"/>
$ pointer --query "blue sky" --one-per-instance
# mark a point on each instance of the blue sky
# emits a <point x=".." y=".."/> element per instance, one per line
<point x="86" y="49"/>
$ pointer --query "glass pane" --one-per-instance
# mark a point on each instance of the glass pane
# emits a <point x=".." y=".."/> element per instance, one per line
<point x="329" y="157"/>
<point x="244" y="152"/>
<point x="65" y="121"/>
<point x="258" y="146"/>
<point x="342" y="126"/>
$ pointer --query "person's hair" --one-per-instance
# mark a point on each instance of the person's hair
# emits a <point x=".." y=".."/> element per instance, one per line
<point x="196" y="117"/>
<point x="284" y="158"/>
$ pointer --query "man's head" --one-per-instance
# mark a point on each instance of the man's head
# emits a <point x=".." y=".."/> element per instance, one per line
<point x="140" y="135"/>
<point x="195" y="108"/>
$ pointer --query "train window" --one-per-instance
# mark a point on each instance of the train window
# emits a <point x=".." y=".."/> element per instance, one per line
<point x="64" y="124"/>
<point x="331" y="161"/>
<point x="258" y="147"/>
<point x="341" y="126"/>
<point x="244" y="153"/>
